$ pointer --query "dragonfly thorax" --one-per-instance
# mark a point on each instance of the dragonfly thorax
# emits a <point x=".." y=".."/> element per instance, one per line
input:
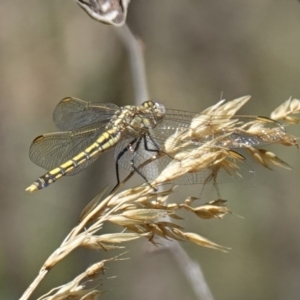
<point x="136" y="121"/>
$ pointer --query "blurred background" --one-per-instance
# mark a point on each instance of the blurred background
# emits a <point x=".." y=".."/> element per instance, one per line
<point x="196" y="53"/>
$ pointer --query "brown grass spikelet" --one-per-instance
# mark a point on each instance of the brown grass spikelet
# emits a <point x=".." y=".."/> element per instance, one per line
<point x="81" y="286"/>
<point x="267" y="158"/>
<point x="210" y="210"/>
<point x="101" y="242"/>
<point x="199" y="240"/>
<point x="224" y="108"/>
<point x="145" y="214"/>
<point x="285" y="111"/>
<point x="75" y="289"/>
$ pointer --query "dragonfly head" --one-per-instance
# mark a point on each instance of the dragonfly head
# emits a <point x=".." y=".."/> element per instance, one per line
<point x="158" y="109"/>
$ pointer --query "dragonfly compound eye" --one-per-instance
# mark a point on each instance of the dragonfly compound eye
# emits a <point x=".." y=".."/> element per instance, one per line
<point x="160" y="109"/>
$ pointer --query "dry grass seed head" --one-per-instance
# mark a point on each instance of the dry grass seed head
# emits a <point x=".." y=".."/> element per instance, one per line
<point x="228" y="108"/>
<point x="98" y="242"/>
<point x="267" y="158"/>
<point x="285" y="110"/>
<point x="208" y="211"/>
<point x="199" y="240"/>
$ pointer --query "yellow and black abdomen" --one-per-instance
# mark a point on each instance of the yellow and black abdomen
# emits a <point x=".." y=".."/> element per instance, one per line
<point x="104" y="142"/>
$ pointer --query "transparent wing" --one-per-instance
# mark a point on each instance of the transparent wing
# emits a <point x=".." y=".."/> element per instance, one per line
<point x="51" y="150"/>
<point x="187" y="131"/>
<point x="230" y="132"/>
<point x="143" y="158"/>
<point x="72" y="113"/>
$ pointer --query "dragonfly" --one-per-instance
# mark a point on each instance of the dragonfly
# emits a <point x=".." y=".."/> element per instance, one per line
<point x="141" y="134"/>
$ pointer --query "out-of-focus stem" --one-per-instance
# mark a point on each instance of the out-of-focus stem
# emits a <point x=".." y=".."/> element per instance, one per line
<point x="137" y="63"/>
<point x="191" y="270"/>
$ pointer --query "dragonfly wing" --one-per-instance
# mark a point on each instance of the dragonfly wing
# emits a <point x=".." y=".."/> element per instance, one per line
<point x="231" y="132"/>
<point x="151" y="167"/>
<point x="51" y="150"/>
<point x="73" y="113"/>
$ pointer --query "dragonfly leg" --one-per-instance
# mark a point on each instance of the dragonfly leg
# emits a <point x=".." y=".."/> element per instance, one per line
<point x="132" y="160"/>
<point x="133" y="157"/>
<point x="158" y="148"/>
<point x="154" y="143"/>
<point x="119" y="157"/>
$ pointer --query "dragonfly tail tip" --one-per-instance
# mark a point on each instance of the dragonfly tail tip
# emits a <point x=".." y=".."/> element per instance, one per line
<point x="32" y="188"/>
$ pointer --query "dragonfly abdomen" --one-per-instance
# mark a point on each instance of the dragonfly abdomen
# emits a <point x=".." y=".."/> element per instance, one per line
<point x="104" y="142"/>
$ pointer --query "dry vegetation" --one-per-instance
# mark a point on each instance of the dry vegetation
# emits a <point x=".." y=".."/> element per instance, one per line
<point x="142" y="212"/>
<point x="202" y="152"/>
